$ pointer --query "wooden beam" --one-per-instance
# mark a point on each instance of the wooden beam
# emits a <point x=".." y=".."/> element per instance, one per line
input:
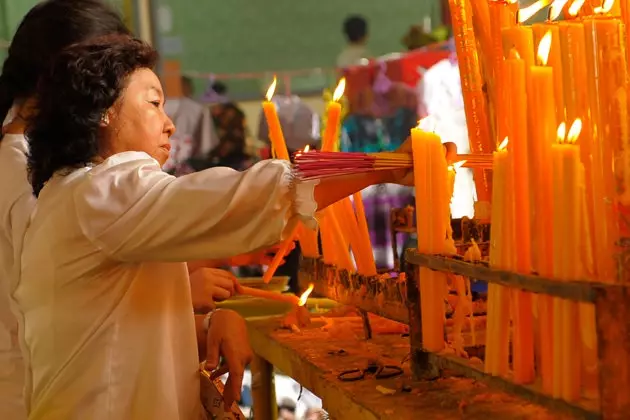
<point x="263" y="389"/>
<point x="578" y="291"/>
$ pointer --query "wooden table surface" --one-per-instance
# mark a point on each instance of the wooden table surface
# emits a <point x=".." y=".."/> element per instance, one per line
<point x="313" y="358"/>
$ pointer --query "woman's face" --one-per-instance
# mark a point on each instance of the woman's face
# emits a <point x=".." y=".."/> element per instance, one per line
<point x="137" y="121"/>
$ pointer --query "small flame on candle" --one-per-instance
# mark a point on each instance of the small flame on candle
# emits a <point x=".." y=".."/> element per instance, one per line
<point x="543" y="48"/>
<point x="575" y="7"/>
<point x="605" y="7"/>
<point x="306" y="294"/>
<point x="526" y="13"/>
<point x="562" y="132"/>
<point x="503" y="144"/>
<point x="306" y="149"/>
<point x="341" y="87"/>
<point x="271" y="89"/>
<point x="574" y="131"/>
<point x="556" y="9"/>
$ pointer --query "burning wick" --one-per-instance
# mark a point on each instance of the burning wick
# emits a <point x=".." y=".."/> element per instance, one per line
<point x="306" y="294"/>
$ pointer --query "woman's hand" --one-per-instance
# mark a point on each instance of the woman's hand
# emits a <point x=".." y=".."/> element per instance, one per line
<point x="405" y="176"/>
<point x="210" y="285"/>
<point x="227" y="338"/>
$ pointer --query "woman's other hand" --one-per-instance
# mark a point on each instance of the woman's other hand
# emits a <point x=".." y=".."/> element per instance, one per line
<point x="227" y="339"/>
<point x="405" y="176"/>
<point x="210" y="285"/>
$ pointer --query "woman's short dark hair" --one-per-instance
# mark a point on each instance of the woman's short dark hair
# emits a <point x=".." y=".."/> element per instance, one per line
<point x="46" y="29"/>
<point x="83" y="82"/>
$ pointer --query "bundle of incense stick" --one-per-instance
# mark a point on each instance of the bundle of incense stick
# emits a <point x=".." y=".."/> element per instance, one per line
<point x="317" y="164"/>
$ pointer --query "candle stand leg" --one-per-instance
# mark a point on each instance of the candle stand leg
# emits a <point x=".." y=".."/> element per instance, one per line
<point x="421" y="366"/>
<point x="367" y="328"/>
<point x="263" y="389"/>
<point x="612" y="312"/>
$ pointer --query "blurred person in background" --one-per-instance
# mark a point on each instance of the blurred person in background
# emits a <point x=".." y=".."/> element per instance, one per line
<point x="355" y="29"/>
<point x="286" y="409"/>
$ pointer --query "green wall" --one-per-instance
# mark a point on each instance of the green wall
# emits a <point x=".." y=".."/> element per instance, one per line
<point x="258" y="35"/>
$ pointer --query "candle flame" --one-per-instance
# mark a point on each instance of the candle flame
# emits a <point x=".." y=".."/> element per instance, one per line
<point x="526" y="13"/>
<point x="512" y="1"/>
<point x="514" y="54"/>
<point x="562" y="132"/>
<point x="306" y="294"/>
<point x="574" y="131"/>
<point x="605" y="7"/>
<point x="575" y="7"/>
<point x="543" y="48"/>
<point x="272" y="89"/>
<point x="458" y="165"/>
<point x="341" y="87"/>
<point x="428" y="124"/>
<point x="306" y="149"/>
<point x="503" y="144"/>
<point x="556" y="9"/>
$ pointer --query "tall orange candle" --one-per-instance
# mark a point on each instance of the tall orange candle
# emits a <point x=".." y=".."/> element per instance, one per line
<point x="607" y="87"/>
<point x="523" y="345"/>
<point x="273" y="122"/>
<point x="333" y="113"/>
<point x="540" y="107"/>
<point x="552" y="31"/>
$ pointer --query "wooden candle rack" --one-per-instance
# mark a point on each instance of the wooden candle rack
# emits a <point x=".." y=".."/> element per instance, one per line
<point x="400" y="301"/>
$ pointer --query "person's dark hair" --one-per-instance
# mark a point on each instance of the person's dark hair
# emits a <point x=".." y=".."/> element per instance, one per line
<point x="84" y="81"/>
<point x="355" y="28"/>
<point x="46" y="29"/>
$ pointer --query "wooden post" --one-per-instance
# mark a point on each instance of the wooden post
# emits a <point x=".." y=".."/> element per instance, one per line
<point x="612" y="311"/>
<point x="263" y="389"/>
<point x="421" y="366"/>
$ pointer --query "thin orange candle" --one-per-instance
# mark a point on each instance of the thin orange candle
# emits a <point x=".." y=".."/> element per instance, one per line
<point x="542" y="112"/>
<point x="273" y="122"/>
<point x="497" y="336"/>
<point x="365" y="249"/>
<point x="523" y="345"/>
<point x="333" y="113"/>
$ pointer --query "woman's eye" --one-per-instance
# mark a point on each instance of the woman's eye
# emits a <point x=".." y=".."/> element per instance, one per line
<point x="156" y="103"/>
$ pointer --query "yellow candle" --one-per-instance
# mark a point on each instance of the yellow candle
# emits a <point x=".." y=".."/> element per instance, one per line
<point x="364" y="236"/>
<point x="273" y="122"/>
<point x="430" y="173"/>
<point x="566" y="251"/>
<point x="523" y="344"/>
<point x="607" y="87"/>
<point x="551" y="32"/>
<point x="541" y="111"/>
<point x="333" y="118"/>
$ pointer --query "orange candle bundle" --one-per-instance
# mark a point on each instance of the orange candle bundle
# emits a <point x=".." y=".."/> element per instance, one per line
<point x="540" y="107"/>
<point x="607" y="87"/>
<point x="522" y="345"/>
<point x="365" y="248"/>
<point x="502" y="15"/>
<point x="566" y="251"/>
<point x="475" y="104"/>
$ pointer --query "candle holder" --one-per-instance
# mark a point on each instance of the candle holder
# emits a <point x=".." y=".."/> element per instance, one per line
<point x="612" y="310"/>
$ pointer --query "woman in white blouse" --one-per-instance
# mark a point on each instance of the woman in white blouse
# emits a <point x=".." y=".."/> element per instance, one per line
<point x="103" y="294"/>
